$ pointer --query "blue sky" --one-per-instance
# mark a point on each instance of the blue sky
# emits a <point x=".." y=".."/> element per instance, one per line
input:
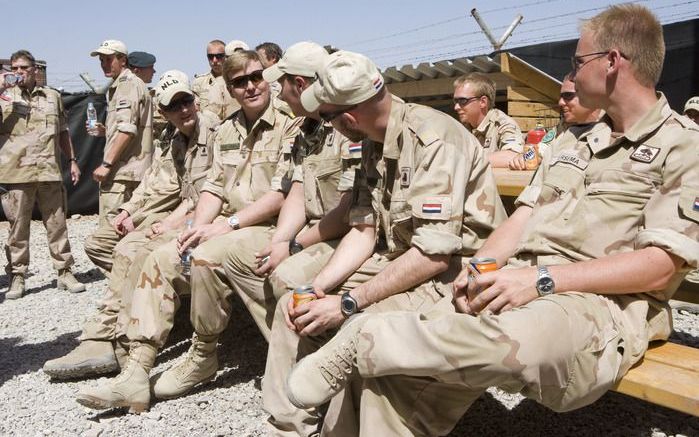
<point x="390" y="32"/>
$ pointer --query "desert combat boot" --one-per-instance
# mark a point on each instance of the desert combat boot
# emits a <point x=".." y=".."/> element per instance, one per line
<point x="130" y="388"/>
<point x="200" y="365"/>
<point x="90" y="358"/>
<point x="16" y="289"/>
<point x="66" y="281"/>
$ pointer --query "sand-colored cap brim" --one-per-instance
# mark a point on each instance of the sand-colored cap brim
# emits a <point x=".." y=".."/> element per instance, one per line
<point x="309" y="99"/>
<point x="166" y="97"/>
<point x="272" y="73"/>
<point x="104" y="51"/>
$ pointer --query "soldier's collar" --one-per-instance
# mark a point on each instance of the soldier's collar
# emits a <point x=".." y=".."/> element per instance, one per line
<point x="267" y="117"/>
<point x="483" y="126"/>
<point x="124" y="73"/>
<point x="391" y="146"/>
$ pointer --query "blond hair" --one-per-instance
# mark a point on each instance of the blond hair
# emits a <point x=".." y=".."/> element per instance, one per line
<point x="636" y="33"/>
<point x="481" y="84"/>
<point x="238" y="61"/>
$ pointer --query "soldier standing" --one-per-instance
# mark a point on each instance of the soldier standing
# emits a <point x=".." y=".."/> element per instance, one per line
<point x="203" y="83"/>
<point x="33" y="127"/>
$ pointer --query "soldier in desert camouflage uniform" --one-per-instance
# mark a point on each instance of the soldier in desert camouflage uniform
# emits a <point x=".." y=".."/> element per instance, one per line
<point x="220" y="100"/>
<point x="173" y="188"/>
<point x="128" y="130"/>
<point x="33" y="126"/>
<point x="323" y="169"/>
<point x="240" y="200"/>
<point x="599" y="243"/>
<point x="424" y="199"/>
<point x="202" y="83"/>
<point x="499" y="134"/>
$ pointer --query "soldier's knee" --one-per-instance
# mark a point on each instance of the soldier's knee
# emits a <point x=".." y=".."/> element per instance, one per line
<point x="283" y="279"/>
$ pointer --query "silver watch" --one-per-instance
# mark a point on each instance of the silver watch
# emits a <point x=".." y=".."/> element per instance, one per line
<point x="233" y="222"/>
<point x="544" y="283"/>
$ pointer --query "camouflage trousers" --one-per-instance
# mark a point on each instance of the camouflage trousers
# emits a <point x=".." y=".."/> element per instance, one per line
<point x="563" y="351"/>
<point x="112" y="196"/>
<point x="18" y="203"/>
<point x="129" y="255"/>
<point x="99" y="246"/>
<point x="286" y="347"/>
<point x="222" y="266"/>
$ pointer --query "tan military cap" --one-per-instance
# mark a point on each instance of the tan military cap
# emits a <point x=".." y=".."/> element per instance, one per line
<point x="302" y="59"/>
<point x="110" y="47"/>
<point x="234" y="45"/>
<point x="692" y="103"/>
<point x="169" y="85"/>
<point x="347" y="78"/>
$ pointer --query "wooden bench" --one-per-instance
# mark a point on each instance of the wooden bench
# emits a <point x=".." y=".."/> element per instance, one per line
<point x="668" y="374"/>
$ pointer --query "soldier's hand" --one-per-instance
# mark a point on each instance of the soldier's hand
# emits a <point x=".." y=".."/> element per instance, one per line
<point x="100" y="174"/>
<point x="118" y="222"/>
<point x="277" y="252"/>
<point x="201" y="233"/>
<point x="318" y="316"/>
<point x="74" y="172"/>
<point x="98" y="131"/>
<point x="517" y="163"/>
<point x="503" y="290"/>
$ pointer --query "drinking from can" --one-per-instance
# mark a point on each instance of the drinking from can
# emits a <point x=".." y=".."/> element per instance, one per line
<point x="304" y="294"/>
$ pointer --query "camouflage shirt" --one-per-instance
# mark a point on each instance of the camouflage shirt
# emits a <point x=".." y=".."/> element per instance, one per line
<point x="325" y="162"/>
<point x="248" y="164"/>
<point x="30" y="129"/>
<point x="429" y="185"/>
<point x="221" y="102"/>
<point x="130" y="111"/>
<point x="498" y="131"/>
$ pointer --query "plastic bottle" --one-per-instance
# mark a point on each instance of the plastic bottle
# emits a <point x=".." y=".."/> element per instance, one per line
<point x="186" y="257"/>
<point x="91" y="116"/>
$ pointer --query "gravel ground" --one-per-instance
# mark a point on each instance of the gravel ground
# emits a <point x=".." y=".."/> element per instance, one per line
<point x="46" y="322"/>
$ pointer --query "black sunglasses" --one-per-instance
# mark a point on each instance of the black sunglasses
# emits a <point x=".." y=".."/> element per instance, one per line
<point x="568" y="95"/>
<point x="242" y="81"/>
<point x="178" y="105"/>
<point x="215" y="55"/>
<point x="330" y="116"/>
<point x="463" y="101"/>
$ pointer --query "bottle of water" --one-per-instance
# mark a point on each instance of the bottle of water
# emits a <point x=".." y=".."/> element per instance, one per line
<point x="91" y="116"/>
<point x="186" y="257"/>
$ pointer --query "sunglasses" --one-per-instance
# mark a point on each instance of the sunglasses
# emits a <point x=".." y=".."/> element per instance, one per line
<point x="242" y="81"/>
<point x="179" y="104"/>
<point x="21" y="67"/>
<point x="330" y="116"/>
<point x="568" y="95"/>
<point x="219" y="56"/>
<point x="463" y="101"/>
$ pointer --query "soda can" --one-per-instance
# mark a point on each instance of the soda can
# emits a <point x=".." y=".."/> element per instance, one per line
<point x="531" y="158"/>
<point x="484" y="265"/>
<point x="304" y="294"/>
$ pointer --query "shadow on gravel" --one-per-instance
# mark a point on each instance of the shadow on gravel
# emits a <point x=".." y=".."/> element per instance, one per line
<point x="613" y="415"/>
<point x="18" y="359"/>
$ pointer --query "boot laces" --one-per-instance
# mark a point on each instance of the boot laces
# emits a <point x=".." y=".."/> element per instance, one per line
<point x="342" y="360"/>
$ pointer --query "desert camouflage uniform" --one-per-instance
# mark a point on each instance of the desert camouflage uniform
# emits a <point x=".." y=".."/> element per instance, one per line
<point x="184" y="166"/>
<point x="129" y="111"/>
<point x="428" y="186"/>
<point x="322" y="162"/>
<point x="498" y="131"/>
<point x="596" y="195"/>
<point x="30" y="128"/>
<point x="201" y="87"/>
<point x="220" y="101"/>
<point x="247" y="165"/>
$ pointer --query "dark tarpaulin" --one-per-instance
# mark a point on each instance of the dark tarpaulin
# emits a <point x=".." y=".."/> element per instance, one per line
<point x="84" y="197"/>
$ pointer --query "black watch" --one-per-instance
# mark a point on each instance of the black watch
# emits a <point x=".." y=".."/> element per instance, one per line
<point x="348" y="305"/>
<point x="294" y="247"/>
<point x="106" y="164"/>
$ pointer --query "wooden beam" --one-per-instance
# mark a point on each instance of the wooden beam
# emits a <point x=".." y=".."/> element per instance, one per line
<point x="512" y="182"/>
<point x="527" y="123"/>
<point x="527" y="74"/>
<point x="523" y="93"/>
<point x="427" y="71"/>
<point x="394" y="75"/>
<point x="444" y="68"/>
<point x="531" y="109"/>
<point x="410" y="71"/>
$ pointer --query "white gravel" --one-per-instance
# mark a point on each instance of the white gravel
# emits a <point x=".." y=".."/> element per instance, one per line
<point x="45" y="323"/>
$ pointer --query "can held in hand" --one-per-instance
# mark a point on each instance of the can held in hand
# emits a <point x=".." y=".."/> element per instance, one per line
<point x="484" y="265"/>
<point x="304" y="294"/>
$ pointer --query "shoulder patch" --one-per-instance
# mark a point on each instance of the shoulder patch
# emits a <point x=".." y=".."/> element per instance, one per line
<point x="230" y="146"/>
<point x="644" y="153"/>
<point x="121" y="104"/>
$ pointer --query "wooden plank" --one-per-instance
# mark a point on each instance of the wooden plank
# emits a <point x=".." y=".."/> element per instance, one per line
<point x="512" y="182"/>
<point x="662" y="385"/>
<point x="531" y="109"/>
<point x="675" y="355"/>
<point x="527" y="123"/>
<point x="442" y="85"/>
<point x="522" y="72"/>
<point x="523" y="93"/>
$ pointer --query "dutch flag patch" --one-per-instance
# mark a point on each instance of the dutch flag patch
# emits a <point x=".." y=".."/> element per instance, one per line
<point x="355" y="147"/>
<point x="433" y="208"/>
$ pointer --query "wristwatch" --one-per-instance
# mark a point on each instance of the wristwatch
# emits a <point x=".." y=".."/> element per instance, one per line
<point x="544" y="283"/>
<point x="348" y="305"/>
<point x="106" y="164"/>
<point x="233" y="222"/>
<point x="294" y="247"/>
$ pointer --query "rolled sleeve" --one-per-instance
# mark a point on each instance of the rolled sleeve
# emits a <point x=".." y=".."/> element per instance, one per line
<point x="281" y="180"/>
<point x="433" y="239"/>
<point x="215" y="177"/>
<point x="510" y="138"/>
<point x="670" y="241"/>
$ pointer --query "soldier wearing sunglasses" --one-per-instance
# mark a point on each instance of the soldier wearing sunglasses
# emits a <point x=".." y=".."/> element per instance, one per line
<point x="203" y="83"/>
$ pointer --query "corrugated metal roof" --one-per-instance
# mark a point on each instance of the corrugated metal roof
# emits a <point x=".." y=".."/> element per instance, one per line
<point x="442" y="69"/>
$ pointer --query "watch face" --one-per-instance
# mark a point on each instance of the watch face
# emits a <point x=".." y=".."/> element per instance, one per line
<point x="545" y="285"/>
<point x="348" y="306"/>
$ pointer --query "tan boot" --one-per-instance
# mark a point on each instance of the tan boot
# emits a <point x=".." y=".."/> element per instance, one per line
<point x="121" y="350"/>
<point x="199" y="365"/>
<point x="90" y="358"/>
<point x="66" y="281"/>
<point x="16" y="289"/>
<point x="129" y="389"/>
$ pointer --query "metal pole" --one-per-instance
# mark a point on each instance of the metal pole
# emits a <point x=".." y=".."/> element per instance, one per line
<point x="509" y="31"/>
<point x="484" y="27"/>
